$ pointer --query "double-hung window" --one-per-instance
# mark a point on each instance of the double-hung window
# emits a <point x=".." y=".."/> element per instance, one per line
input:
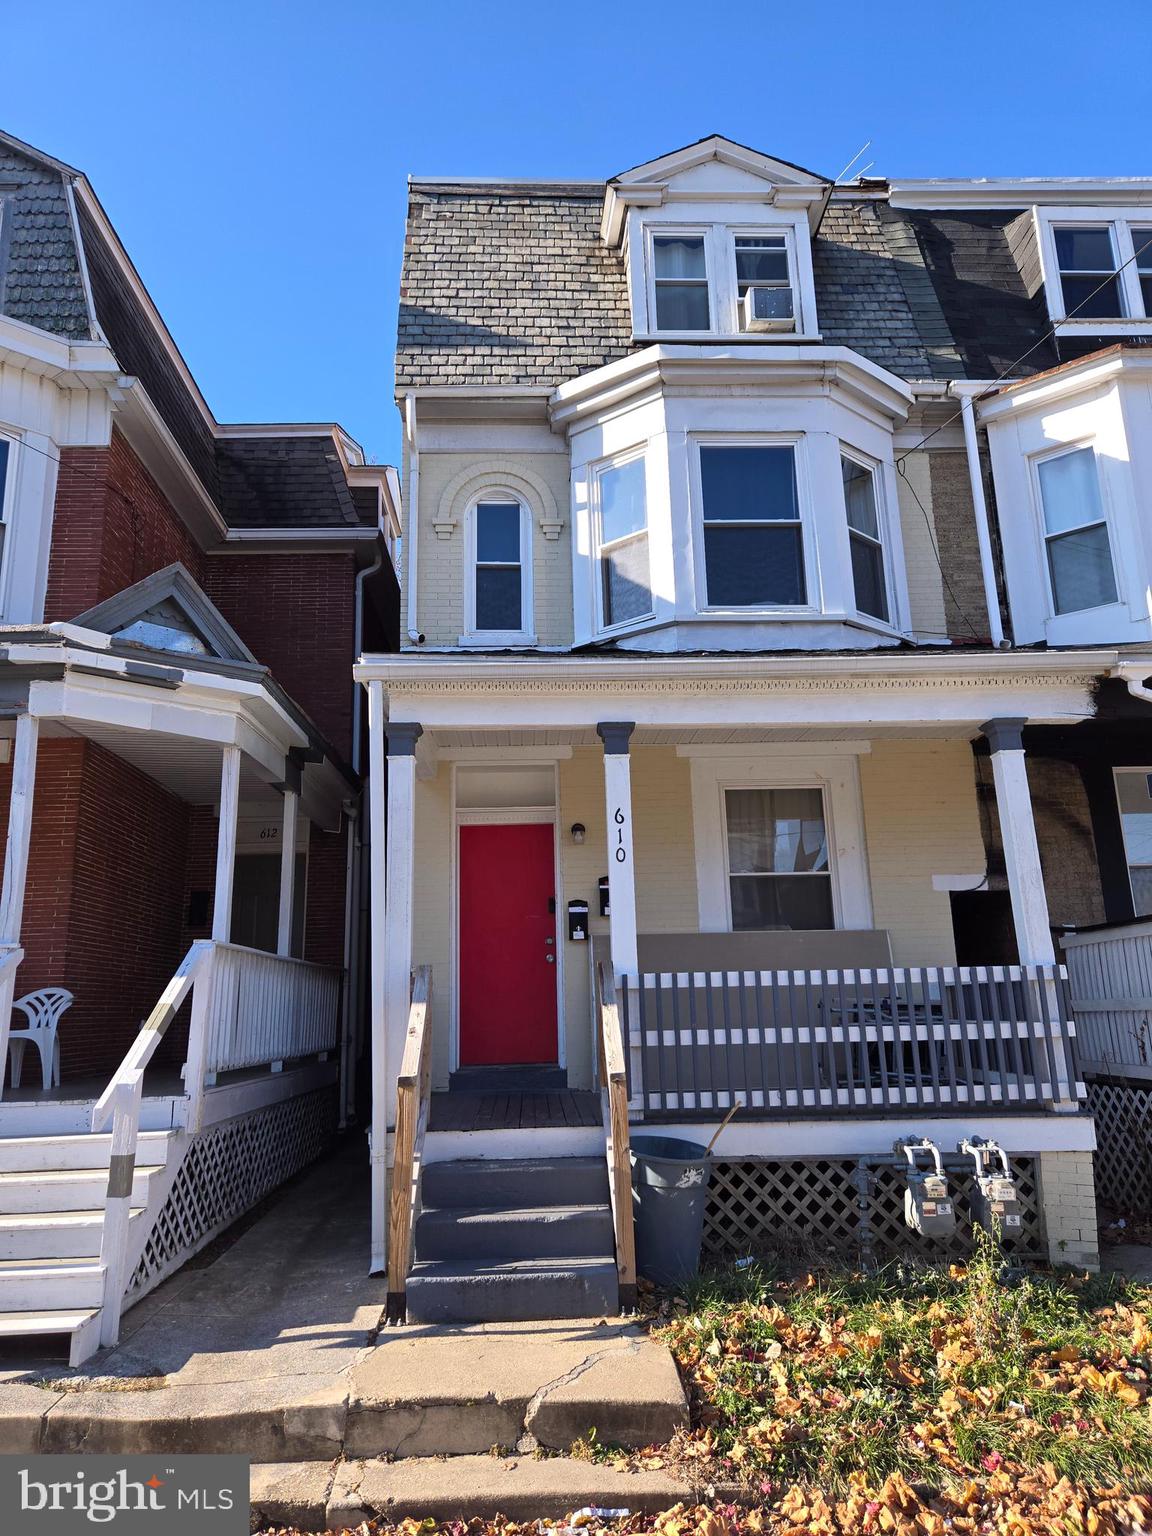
<point x="1076" y="539"/>
<point x="1134" y="795"/>
<point x="1142" y="246"/>
<point x="1088" y="280"/>
<point x="1100" y="264"/>
<point x="762" y="263"/>
<point x="776" y="843"/>
<point x="753" y="537"/>
<point x="5" y="471"/>
<point x="626" y="588"/>
<point x="498" y="592"/>
<point x="680" y="283"/>
<point x="864" y="538"/>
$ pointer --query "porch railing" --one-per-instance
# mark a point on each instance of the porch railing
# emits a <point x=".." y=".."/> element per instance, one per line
<point x="1110" y="980"/>
<point x="792" y="1043"/>
<point x="269" y="1008"/>
<point x="232" y="1025"/>
<point x="614" y="1093"/>
<point x="413" y="1090"/>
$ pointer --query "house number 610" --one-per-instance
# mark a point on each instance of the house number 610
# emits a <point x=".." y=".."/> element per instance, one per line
<point x="621" y="851"/>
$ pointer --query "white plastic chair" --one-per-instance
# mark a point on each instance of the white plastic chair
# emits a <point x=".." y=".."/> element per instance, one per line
<point x="43" y="1010"/>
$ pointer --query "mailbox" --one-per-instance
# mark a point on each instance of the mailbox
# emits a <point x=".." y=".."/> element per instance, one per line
<point x="604" y="907"/>
<point x="578" y="921"/>
<point x="928" y="1206"/>
<point x="995" y="1198"/>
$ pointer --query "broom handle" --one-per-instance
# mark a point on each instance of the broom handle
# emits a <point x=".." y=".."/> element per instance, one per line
<point x="716" y="1136"/>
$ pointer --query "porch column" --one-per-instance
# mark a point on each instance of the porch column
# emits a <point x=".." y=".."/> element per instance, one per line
<point x="615" y="735"/>
<point x="291" y="816"/>
<point x="17" y="846"/>
<point x="19" y="828"/>
<point x="226" y="845"/>
<point x="377" y="925"/>
<point x="400" y="872"/>
<point x="1018" y="833"/>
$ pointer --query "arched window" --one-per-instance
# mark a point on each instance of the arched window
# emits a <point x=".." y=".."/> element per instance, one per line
<point x="498" y="591"/>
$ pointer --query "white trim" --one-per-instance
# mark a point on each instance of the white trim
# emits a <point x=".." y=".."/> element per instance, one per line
<point x="536" y="815"/>
<point x="1075" y="191"/>
<point x="1128" y="864"/>
<point x="524" y="755"/>
<point x="1119" y="222"/>
<point x="377" y="1028"/>
<point x="226" y="845"/>
<point x="507" y="495"/>
<point x="596" y="471"/>
<point x="837" y="777"/>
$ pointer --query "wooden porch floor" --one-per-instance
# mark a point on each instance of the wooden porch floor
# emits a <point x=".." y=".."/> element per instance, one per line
<point x="513" y="1111"/>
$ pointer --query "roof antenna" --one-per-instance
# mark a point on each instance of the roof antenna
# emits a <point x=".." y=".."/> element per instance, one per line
<point x="865" y="146"/>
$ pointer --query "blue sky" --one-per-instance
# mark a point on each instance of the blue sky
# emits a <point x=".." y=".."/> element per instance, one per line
<point x="253" y="155"/>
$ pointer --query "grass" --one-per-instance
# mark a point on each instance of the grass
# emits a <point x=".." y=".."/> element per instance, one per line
<point x="934" y="1376"/>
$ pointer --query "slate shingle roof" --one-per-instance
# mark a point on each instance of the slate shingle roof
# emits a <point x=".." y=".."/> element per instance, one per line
<point x="40" y="281"/>
<point x="288" y="482"/>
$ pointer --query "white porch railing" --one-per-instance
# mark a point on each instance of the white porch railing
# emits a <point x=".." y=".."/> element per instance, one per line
<point x="786" y="1043"/>
<point x="249" y="1008"/>
<point x="269" y="1008"/>
<point x="1110" y="976"/>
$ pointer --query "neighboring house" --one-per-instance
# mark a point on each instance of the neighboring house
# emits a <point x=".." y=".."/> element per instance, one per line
<point x="777" y="616"/>
<point x="180" y="765"/>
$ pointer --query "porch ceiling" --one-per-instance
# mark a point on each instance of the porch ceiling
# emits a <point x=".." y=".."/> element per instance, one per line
<point x="188" y="769"/>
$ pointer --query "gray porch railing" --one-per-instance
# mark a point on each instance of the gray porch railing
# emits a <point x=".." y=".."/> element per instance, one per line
<point x="787" y="1043"/>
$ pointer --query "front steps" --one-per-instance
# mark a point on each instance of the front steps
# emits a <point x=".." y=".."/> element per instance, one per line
<point x="52" y="1191"/>
<point x="513" y="1240"/>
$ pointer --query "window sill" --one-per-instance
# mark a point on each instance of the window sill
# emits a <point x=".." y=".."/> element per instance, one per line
<point x="1141" y="327"/>
<point x="496" y="639"/>
<point x="758" y="338"/>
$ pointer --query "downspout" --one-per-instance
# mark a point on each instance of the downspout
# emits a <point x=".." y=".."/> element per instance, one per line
<point x="411" y="531"/>
<point x="965" y="392"/>
<point x="1133" y="674"/>
<point x="351" y="967"/>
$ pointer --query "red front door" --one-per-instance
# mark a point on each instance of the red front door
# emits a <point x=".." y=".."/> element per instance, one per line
<point x="507" y="945"/>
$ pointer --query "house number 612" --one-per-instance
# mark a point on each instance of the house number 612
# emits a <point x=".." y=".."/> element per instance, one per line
<point x="621" y="851"/>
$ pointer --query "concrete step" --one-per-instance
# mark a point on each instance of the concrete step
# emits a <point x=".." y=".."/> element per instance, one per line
<point x="30" y="1154"/>
<point x="491" y="1234"/>
<point x="53" y="1234"/>
<point x="522" y="1290"/>
<point x="515" y="1183"/>
<point x="68" y="1189"/>
<point x="38" y="1285"/>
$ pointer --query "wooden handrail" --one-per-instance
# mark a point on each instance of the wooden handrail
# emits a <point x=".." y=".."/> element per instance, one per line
<point x="413" y="1087"/>
<point x="614" y="1093"/>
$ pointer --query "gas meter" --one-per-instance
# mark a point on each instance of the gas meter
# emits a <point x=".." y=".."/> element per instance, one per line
<point x="995" y="1199"/>
<point x="928" y="1206"/>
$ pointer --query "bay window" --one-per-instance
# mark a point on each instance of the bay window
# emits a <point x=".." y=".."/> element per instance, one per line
<point x="625" y="582"/>
<point x="753" y="537"/>
<point x="778" y="871"/>
<point x="1076" y="542"/>
<point x="865" y="538"/>
<point x="680" y="283"/>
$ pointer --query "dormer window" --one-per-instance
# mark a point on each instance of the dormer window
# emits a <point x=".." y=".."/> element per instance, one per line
<point x="680" y="282"/>
<point x="1097" y="268"/>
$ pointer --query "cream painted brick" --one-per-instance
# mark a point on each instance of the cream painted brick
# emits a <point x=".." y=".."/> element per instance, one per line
<point x="925" y="587"/>
<point x="921" y="819"/>
<point x="1069" y="1207"/>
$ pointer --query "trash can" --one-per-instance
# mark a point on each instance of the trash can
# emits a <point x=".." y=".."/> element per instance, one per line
<point x="669" y="1192"/>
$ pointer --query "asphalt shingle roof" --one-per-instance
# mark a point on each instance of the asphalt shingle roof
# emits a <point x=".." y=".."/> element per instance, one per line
<point x="288" y="482"/>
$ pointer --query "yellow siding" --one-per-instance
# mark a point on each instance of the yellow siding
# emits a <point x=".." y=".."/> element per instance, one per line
<point x="432" y="907"/>
<point x="921" y="819"/>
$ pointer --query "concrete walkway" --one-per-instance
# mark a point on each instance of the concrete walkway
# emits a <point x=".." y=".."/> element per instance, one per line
<point x="277" y="1349"/>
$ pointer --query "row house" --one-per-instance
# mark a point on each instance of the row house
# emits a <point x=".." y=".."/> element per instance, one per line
<point x="181" y="746"/>
<point x="772" y="701"/>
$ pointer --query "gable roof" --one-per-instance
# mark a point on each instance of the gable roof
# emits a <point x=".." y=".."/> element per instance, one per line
<point x="717" y="146"/>
<point x="167" y="592"/>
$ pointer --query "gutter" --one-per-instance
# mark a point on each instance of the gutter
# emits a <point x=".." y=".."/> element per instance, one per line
<point x="1134" y="675"/>
<point x="412" y="532"/>
<point x="966" y="392"/>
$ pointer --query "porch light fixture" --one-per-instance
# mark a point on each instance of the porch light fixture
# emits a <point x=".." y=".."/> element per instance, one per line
<point x="577" y="830"/>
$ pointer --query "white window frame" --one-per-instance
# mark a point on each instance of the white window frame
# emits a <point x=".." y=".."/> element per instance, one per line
<point x="1041" y="525"/>
<point x="597" y="470"/>
<point x="884" y="523"/>
<point x="787" y="232"/>
<point x="1128" y="865"/>
<point x="704" y="232"/>
<point x="498" y="637"/>
<point x="7" y="497"/>
<point x="836" y="775"/>
<point x="1120" y="223"/>
<point x="797" y="441"/>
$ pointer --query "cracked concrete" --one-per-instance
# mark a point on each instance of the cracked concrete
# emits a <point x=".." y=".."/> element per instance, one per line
<point x="276" y="1349"/>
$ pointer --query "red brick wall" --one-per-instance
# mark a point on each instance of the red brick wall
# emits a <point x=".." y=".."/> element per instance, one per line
<point x="297" y="614"/>
<point x="112" y="527"/>
<point x="103" y="905"/>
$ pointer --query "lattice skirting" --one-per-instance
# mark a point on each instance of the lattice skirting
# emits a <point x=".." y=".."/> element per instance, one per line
<point x="811" y="1207"/>
<point x="225" y="1171"/>
<point x="1123" y="1115"/>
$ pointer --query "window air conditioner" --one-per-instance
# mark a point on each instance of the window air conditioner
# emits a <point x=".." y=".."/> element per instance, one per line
<point x="767" y="308"/>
